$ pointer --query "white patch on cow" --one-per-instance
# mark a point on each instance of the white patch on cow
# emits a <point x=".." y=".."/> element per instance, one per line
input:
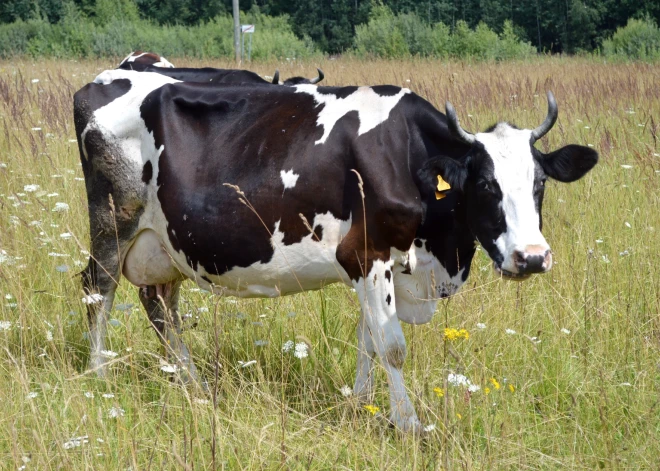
<point x="514" y="171"/>
<point x="308" y="264"/>
<point x="163" y="63"/>
<point x="289" y="178"/>
<point x="372" y="108"/>
<point x="121" y="121"/>
<point x="416" y="297"/>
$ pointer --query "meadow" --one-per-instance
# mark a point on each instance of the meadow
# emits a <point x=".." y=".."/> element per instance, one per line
<point x="567" y="363"/>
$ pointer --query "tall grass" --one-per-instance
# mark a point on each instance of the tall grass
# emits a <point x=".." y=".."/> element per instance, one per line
<point x="578" y="380"/>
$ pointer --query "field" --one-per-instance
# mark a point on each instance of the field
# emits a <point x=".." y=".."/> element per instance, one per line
<point x="568" y="363"/>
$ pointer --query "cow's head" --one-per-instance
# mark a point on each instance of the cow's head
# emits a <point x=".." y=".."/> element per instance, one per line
<point x="502" y="181"/>
<point x="144" y="59"/>
<point x="298" y="80"/>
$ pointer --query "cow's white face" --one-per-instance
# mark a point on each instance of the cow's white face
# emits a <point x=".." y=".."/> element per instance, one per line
<point x="502" y="181"/>
<point x="521" y="247"/>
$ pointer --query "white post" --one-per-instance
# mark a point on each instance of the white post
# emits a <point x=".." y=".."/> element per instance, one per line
<point x="237" y="31"/>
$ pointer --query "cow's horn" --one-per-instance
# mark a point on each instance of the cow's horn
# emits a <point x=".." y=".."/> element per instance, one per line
<point x="456" y="128"/>
<point x="276" y="77"/>
<point x="317" y="79"/>
<point x="550" y="120"/>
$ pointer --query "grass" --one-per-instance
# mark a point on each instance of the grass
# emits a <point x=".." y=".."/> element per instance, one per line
<point x="585" y="397"/>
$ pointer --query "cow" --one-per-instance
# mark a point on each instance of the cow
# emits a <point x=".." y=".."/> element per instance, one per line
<point x="139" y="60"/>
<point x="150" y="62"/>
<point x="261" y="191"/>
<point x="227" y="76"/>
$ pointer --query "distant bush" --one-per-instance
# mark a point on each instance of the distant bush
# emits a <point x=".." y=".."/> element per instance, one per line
<point x="639" y="39"/>
<point x="120" y="31"/>
<point x="388" y="35"/>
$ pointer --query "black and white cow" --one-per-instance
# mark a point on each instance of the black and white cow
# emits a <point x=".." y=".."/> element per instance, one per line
<point x="226" y="76"/>
<point x="261" y="191"/>
<point x="150" y="62"/>
<point x="139" y="60"/>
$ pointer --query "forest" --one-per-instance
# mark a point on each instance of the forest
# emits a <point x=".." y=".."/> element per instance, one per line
<point x="387" y="28"/>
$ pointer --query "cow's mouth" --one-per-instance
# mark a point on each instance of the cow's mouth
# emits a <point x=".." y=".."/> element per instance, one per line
<point x="510" y="275"/>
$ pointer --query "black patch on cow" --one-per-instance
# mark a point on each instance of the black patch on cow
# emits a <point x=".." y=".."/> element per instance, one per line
<point x="206" y="278"/>
<point x="339" y="92"/>
<point x="234" y="135"/>
<point x="386" y="90"/>
<point x="418" y="243"/>
<point x="388" y="299"/>
<point x="388" y="275"/>
<point x="147" y="172"/>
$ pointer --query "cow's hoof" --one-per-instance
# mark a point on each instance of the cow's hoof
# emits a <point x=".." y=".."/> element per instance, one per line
<point x="408" y="424"/>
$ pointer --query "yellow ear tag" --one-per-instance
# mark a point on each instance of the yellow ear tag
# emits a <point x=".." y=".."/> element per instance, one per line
<point x="441" y="188"/>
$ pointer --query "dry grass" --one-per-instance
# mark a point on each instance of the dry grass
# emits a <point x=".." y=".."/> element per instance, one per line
<point x="581" y="400"/>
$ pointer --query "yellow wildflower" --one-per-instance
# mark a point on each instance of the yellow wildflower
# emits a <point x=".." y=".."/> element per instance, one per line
<point x="511" y="388"/>
<point x="495" y="384"/>
<point x="454" y="334"/>
<point x="372" y="409"/>
<point x="459" y="416"/>
<point x="487" y="390"/>
<point x="439" y="392"/>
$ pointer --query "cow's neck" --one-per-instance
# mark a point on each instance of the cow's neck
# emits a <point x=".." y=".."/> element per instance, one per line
<point x="449" y="238"/>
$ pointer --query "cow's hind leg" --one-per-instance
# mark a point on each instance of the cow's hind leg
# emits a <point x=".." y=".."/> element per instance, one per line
<point x="99" y="281"/>
<point x="162" y="305"/>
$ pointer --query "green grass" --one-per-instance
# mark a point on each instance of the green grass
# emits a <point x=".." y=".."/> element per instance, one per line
<point x="587" y="399"/>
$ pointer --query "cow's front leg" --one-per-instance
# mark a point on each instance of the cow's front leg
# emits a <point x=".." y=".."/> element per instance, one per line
<point x="364" y="383"/>
<point x="376" y="294"/>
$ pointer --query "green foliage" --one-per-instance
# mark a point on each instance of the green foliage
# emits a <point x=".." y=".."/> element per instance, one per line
<point x="388" y="35"/>
<point x="121" y="31"/>
<point x="639" y="39"/>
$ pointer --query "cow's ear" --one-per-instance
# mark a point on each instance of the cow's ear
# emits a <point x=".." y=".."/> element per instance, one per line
<point x="569" y="163"/>
<point x="453" y="172"/>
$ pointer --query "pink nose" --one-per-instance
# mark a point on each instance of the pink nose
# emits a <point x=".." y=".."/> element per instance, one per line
<point x="533" y="259"/>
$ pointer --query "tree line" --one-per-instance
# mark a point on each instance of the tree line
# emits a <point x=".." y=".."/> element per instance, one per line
<point x="493" y="28"/>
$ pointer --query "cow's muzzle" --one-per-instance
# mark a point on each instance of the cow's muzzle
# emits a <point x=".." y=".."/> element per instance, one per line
<point x="533" y="259"/>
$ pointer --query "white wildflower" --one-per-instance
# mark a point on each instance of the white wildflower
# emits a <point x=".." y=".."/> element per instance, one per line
<point x="288" y="346"/>
<point x="8" y="296"/>
<point x="107" y="396"/>
<point x="116" y="412"/>
<point x="626" y="167"/>
<point x="109" y="353"/>
<point x="606" y="258"/>
<point x="60" y="207"/>
<point x="55" y="254"/>
<point x="261" y="343"/>
<point x="5" y="325"/>
<point x="52" y="195"/>
<point x="301" y="350"/>
<point x="49" y="336"/>
<point x="75" y="442"/>
<point x="36" y="129"/>
<point x="625" y="384"/>
<point x="510" y="331"/>
<point x="35" y="80"/>
<point x="481" y="326"/>
<point x="627" y="224"/>
<point x="92" y="298"/>
<point x="31" y="188"/>
<point x="429" y="428"/>
<point x="167" y="368"/>
<point x="456" y="379"/>
<point x="89" y="395"/>
<point x="100" y="440"/>
<point x="66" y="235"/>
<point x="199" y="400"/>
<point x="599" y="241"/>
<point x="474" y="388"/>
<point x="32" y="394"/>
<point x="564" y="330"/>
<point x="245" y="364"/>
<point x="346" y="391"/>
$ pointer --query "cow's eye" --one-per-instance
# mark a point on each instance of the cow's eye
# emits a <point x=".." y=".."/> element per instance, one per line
<point x="485" y="187"/>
